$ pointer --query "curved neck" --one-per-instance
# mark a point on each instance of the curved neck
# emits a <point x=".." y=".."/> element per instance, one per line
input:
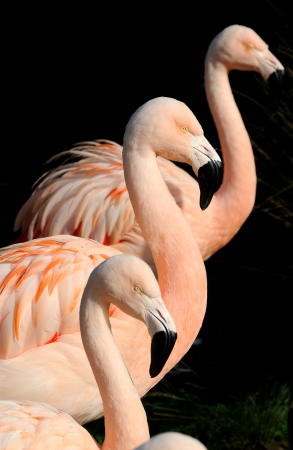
<point x="239" y="182"/>
<point x="125" y="419"/>
<point x="181" y="272"/>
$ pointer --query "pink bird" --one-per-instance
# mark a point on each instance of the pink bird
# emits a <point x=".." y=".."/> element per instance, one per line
<point x="41" y="281"/>
<point x="128" y="283"/>
<point x="89" y="197"/>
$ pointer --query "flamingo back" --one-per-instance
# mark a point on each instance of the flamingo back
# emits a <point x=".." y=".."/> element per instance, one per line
<point x="89" y="198"/>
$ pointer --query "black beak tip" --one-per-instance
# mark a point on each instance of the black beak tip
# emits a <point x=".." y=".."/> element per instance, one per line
<point x="276" y="82"/>
<point x="162" y="345"/>
<point x="276" y="77"/>
<point x="210" y="177"/>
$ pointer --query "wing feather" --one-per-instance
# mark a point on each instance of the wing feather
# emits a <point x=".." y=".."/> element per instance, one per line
<point x="74" y="197"/>
<point x="41" y="283"/>
<point x="87" y="196"/>
<point x="27" y="425"/>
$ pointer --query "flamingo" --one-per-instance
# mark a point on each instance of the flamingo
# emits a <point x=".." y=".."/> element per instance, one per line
<point x="89" y="197"/>
<point x="41" y="281"/>
<point x="34" y="425"/>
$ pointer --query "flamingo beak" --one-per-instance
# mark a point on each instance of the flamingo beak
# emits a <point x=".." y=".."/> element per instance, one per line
<point x="277" y="77"/>
<point x="208" y="169"/>
<point x="275" y="82"/>
<point x="210" y="177"/>
<point x="163" y="341"/>
<point x="272" y="71"/>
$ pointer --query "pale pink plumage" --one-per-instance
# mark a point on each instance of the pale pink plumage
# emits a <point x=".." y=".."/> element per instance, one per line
<point x="89" y="198"/>
<point x="31" y="425"/>
<point x="41" y="285"/>
<point x="38" y="317"/>
<point x="28" y="424"/>
<point x="94" y="191"/>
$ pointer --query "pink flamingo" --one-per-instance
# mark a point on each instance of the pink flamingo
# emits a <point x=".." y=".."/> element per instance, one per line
<point x="34" y="425"/>
<point x="42" y="280"/>
<point x="89" y="197"/>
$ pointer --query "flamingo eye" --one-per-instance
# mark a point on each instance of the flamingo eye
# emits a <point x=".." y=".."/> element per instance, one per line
<point x="138" y="289"/>
<point x="249" y="46"/>
<point x="184" y="128"/>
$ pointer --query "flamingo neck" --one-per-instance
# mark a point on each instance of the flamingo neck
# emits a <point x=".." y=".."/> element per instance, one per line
<point x="181" y="272"/>
<point x="125" y="418"/>
<point x="239" y="182"/>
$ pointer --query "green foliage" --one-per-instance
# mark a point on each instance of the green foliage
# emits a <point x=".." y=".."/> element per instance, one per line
<point x="96" y="429"/>
<point x="257" y="420"/>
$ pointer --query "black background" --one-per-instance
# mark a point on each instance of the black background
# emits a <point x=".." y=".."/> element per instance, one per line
<point x="76" y="75"/>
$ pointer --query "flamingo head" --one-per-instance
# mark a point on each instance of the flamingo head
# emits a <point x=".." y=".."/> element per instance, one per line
<point x="241" y="48"/>
<point x="129" y="283"/>
<point x="169" y="128"/>
<point x="172" y="440"/>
